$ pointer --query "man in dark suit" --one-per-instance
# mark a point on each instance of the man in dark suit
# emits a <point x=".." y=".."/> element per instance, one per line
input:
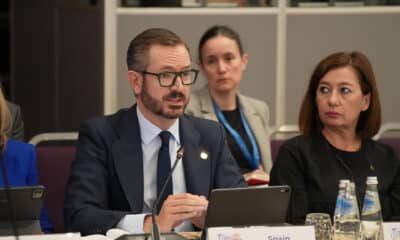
<point x="120" y="158"/>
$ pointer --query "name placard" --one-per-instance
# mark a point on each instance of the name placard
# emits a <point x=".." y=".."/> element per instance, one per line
<point x="262" y="233"/>
<point x="391" y="230"/>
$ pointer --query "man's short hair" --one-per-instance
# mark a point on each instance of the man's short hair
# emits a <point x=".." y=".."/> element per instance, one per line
<point x="137" y="54"/>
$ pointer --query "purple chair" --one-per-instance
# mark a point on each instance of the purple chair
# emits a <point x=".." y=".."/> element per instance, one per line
<point x="275" y="145"/>
<point x="55" y="153"/>
<point x="393" y="142"/>
<point x="279" y="135"/>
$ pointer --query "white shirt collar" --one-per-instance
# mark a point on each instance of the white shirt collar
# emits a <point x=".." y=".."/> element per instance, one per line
<point x="149" y="131"/>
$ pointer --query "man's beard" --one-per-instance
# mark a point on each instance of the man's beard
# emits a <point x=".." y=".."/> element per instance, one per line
<point x="156" y="106"/>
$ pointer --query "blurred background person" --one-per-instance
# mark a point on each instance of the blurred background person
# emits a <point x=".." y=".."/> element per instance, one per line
<point x="339" y="115"/>
<point x="222" y="60"/>
<point x="20" y="161"/>
<point x="15" y="129"/>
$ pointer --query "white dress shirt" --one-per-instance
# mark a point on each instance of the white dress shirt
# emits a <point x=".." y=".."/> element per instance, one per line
<point x="151" y="144"/>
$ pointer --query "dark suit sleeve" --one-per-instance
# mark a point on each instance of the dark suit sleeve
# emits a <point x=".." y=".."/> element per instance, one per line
<point x="227" y="173"/>
<point x="289" y="170"/>
<point x="18" y="125"/>
<point x="86" y="206"/>
<point x="16" y="128"/>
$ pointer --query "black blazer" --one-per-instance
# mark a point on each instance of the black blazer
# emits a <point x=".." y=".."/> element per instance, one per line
<point x="106" y="181"/>
<point x="313" y="169"/>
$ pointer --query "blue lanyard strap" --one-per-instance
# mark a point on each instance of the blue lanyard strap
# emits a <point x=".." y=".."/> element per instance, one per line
<point x="252" y="159"/>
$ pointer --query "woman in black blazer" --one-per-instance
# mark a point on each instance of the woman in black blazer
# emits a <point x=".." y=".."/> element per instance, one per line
<point x="339" y="115"/>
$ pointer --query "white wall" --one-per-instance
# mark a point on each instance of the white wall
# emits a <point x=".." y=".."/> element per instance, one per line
<point x="310" y="35"/>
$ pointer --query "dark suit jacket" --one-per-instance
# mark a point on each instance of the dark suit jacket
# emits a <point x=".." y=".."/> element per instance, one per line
<point x="106" y="181"/>
<point x="16" y="128"/>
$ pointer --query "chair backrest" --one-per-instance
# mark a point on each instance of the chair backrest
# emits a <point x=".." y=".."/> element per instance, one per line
<point x="390" y="129"/>
<point x="389" y="134"/>
<point x="275" y="146"/>
<point x="55" y="154"/>
<point x="393" y="142"/>
<point x="279" y="135"/>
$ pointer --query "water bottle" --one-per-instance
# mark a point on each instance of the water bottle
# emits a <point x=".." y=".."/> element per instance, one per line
<point x="371" y="217"/>
<point x="347" y="219"/>
<point x="337" y="217"/>
<point x="340" y="198"/>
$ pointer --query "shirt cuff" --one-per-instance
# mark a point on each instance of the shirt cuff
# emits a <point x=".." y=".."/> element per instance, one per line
<point x="132" y="223"/>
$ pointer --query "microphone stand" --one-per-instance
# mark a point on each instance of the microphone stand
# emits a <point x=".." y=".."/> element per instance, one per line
<point x="8" y="196"/>
<point x="155" y="231"/>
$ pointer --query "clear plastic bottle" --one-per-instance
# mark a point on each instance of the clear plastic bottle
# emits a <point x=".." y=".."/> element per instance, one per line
<point x="339" y="202"/>
<point x="347" y="221"/>
<point x="371" y="217"/>
<point x="337" y="218"/>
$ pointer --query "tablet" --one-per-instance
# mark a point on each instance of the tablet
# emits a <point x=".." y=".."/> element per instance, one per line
<point x="238" y="207"/>
<point x="26" y="203"/>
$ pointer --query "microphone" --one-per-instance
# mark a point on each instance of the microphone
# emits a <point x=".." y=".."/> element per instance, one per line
<point x="155" y="231"/>
<point x="8" y="197"/>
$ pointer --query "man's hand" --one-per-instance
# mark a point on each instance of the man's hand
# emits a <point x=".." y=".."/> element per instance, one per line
<point x="178" y="208"/>
<point x="258" y="171"/>
<point x="256" y="177"/>
<point x="199" y="219"/>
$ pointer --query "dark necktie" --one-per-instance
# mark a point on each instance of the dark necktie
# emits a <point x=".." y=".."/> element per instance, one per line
<point x="163" y="168"/>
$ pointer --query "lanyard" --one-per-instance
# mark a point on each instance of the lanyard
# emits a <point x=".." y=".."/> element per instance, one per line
<point x="253" y="160"/>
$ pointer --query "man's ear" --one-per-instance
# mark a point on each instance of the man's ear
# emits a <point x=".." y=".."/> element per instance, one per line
<point x="135" y="80"/>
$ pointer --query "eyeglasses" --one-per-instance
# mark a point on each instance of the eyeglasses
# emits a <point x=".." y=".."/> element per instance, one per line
<point x="167" y="79"/>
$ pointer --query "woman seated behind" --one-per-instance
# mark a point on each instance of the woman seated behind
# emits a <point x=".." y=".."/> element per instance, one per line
<point x="20" y="161"/>
<point x="223" y="61"/>
<point x="339" y="115"/>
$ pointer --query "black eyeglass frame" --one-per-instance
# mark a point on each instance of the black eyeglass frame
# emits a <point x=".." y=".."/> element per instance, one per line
<point x="158" y="75"/>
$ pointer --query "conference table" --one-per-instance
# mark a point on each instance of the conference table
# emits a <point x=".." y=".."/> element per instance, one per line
<point x="111" y="235"/>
